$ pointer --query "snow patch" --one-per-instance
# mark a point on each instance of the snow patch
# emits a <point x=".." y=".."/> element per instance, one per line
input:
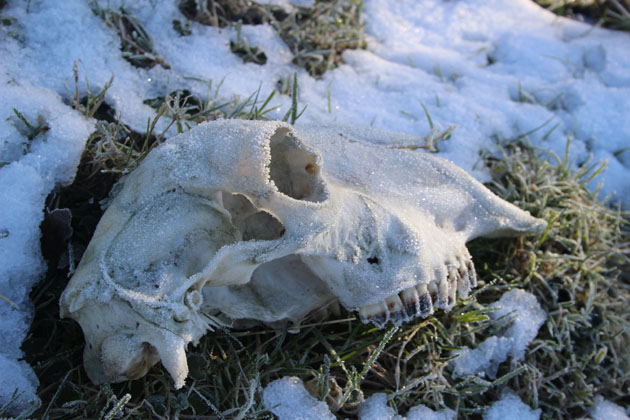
<point x="510" y="407"/>
<point x="29" y="169"/>
<point x="376" y="408"/>
<point x="606" y="410"/>
<point x="488" y="355"/>
<point x="289" y="400"/>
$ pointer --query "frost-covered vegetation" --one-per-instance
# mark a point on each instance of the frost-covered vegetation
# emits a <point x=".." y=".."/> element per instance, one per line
<point x="136" y="73"/>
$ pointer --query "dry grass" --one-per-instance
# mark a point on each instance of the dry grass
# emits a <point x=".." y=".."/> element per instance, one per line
<point x="316" y="35"/>
<point x="613" y="14"/>
<point x="135" y="44"/>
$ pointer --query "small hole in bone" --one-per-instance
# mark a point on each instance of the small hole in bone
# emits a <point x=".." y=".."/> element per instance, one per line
<point x="373" y="260"/>
<point x="293" y="169"/>
<point x="253" y="224"/>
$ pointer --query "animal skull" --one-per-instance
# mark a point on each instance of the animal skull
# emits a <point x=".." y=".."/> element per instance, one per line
<point x="244" y="220"/>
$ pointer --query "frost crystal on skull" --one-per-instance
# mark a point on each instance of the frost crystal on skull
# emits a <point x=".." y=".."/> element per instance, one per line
<point x="245" y="220"/>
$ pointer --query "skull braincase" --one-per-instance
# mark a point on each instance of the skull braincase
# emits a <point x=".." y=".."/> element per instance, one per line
<point x="244" y="220"/>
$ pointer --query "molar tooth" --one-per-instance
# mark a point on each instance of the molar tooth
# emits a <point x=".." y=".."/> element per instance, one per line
<point x="434" y="292"/>
<point x="422" y="289"/>
<point x="370" y="311"/>
<point x="453" y="275"/>
<point x="472" y="274"/>
<point x="453" y="278"/>
<point x="462" y="269"/>
<point x="394" y="304"/>
<point x="386" y="313"/>
<point x="463" y="284"/>
<point x="425" y="305"/>
<point x="443" y="292"/>
<point x="411" y="301"/>
<point x="409" y="295"/>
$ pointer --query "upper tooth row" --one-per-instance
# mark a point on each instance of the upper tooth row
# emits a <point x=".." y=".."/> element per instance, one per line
<point x="409" y="303"/>
<point x="419" y="300"/>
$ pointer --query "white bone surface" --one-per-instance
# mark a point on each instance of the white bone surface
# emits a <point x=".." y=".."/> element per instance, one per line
<point x="244" y="220"/>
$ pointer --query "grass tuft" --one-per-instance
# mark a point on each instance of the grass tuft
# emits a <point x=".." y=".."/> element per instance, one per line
<point x="576" y="271"/>
<point x="89" y="103"/>
<point x="222" y="13"/>
<point x="135" y="43"/>
<point x="316" y="35"/>
<point x="613" y="14"/>
<point x="249" y="54"/>
<point x="30" y="130"/>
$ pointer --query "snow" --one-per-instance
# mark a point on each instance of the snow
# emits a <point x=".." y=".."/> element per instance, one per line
<point x="510" y="407"/>
<point x="376" y="408"/>
<point x="289" y="400"/>
<point x="489" y="354"/>
<point x="31" y="169"/>
<point x="606" y="410"/>
<point x="494" y="69"/>
<point x="427" y="50"/>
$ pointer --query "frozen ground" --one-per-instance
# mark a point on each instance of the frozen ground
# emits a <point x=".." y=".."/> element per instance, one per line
<point x="510" y="407"/>
<point x="289" y="400"/>
<point x="287" y="397"/>
<point x="496" y="70"/>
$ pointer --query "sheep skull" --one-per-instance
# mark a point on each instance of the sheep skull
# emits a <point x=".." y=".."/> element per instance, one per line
<point x="244" y="220"/>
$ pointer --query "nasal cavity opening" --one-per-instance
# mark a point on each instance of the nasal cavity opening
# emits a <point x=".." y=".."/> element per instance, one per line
<point x="294" y="170"/>
<point x="252" y="223"/>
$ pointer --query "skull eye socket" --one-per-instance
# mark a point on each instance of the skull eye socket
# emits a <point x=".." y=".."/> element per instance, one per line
<point x="295" y="170"/>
